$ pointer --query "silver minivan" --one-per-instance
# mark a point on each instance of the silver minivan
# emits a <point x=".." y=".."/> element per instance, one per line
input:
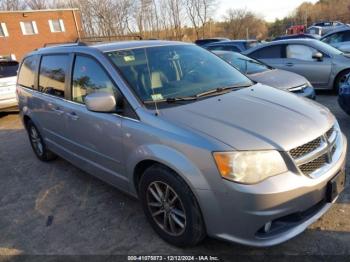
<point x="206" y="150"/>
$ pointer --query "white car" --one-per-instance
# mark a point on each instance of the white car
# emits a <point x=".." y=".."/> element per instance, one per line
<point x="8" y="78"/>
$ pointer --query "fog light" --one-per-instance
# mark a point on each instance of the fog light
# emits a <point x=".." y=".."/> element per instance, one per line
<point x="267" y="227"/>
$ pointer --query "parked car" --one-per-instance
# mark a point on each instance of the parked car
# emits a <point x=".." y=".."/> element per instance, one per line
<point x="344" y="95"/>
<point x="232" y="45"/>
<point x="323" y="65"/>
<point x="340" y="39"/>
<point x="296" y="29"/>
<point x="8" y="76"/>
<point x="205" y="149"/>
<point x="315" y="30"/>
<point x="205" y="41"/>
<point x="285" y="37"/>
<point x="322" y="28"/>
<point x="264" y="74"/>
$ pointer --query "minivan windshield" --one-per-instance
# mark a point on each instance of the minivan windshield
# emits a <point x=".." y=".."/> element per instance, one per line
<point x="175" y="72"/>
<point x="8" y="68"/>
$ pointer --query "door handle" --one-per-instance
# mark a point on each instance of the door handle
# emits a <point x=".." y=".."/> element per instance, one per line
<point x="289" y="64"/>
<point x="56" y="109"/>
<point x="73" y="116"/>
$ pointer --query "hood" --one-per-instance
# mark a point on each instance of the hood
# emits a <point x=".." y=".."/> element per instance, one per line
<point x="255" y="118"/>
<point x="280" y="79"/>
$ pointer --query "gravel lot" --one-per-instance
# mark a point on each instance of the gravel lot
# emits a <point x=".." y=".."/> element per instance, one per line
<point x="57" y="209"/>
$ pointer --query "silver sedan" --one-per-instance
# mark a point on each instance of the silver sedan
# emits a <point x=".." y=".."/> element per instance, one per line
<point x="267" y="75"/>
<point x="323" y="65"/>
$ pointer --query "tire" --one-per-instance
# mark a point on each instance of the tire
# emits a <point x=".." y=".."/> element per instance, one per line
<point x="339" y="80"/>
<point x="183" y="210"/>
<point x="38" y="144"/>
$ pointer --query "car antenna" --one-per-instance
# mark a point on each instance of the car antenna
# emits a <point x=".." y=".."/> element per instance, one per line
<point x="154" y="95"/>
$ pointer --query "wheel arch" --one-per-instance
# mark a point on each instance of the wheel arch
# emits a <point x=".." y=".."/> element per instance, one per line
<point x="146" y="156"/>
<point x="338" y="75"/>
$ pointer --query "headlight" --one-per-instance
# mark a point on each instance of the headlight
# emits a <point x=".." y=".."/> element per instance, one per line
<point x="249" y="167"/>
<point x="308" y="84"/>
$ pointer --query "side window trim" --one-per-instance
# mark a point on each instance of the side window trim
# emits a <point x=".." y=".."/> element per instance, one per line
<point x="75" y="54"/>
<point x="35" y="84"/>
<point x="67" y="80"/>
<point x="119" y="93"/>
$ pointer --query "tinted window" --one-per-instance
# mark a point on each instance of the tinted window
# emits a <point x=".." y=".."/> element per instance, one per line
<point x="268" y="52"/>
<point x="231" y="48"/>
<point x="333" y="39"/>
<point x="8" y="69"/>
<point x="201" y="42"/>
<point x="300" y="52"/>
<point x="158" y="73"/>
<point x="26" y="75"/>
<point x="89" y="77"/>
<point x="52" y="79"/>
<point x="224" y="47"/>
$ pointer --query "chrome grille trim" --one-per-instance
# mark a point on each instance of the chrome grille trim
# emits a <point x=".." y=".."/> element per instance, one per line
<point x="312" y="166"/>
<point x="311" y="159"/>
<point x="306" y="148"/>
<point x="321" y="150"/>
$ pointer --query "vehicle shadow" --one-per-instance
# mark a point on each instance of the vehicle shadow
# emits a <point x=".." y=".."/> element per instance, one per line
<point x="4" y="114"/>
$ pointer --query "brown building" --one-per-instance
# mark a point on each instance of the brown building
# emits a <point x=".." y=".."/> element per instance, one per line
<point x="24" y="31"/>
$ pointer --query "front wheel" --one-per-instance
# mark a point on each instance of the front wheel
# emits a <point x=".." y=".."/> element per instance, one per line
<point x="171" y="207"/>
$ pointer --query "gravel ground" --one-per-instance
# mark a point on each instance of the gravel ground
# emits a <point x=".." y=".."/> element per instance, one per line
<point x="55" y="208"/>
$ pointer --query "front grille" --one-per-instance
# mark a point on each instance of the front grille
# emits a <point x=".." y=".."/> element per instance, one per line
<point x="306" y="148"/>
<point x="330" y="132"/>
<point x="310" y="147"/>
<point x="312" y="166"/>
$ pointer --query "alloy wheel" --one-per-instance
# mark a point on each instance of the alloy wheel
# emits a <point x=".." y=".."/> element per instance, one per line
<point x="166" y="208"/>
<point x="36" y="141"/>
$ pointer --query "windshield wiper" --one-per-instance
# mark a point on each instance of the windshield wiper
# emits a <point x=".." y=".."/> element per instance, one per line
<point x="222" y="90"/>
<point x="171" y="100"/>
<point x="219" y="90"/>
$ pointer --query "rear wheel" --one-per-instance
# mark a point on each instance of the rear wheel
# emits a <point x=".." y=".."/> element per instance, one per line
<point x="171" y="207"/>
<point x="341" y="78"/>
<point x="37" y="143"/>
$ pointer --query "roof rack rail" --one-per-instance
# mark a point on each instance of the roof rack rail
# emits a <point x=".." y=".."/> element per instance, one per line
<point x="76" y="43"/>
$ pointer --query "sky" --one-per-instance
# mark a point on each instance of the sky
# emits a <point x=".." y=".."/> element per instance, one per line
<point x="269" y="9"/>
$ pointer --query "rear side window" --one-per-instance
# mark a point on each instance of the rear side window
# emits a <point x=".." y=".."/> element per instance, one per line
<point x="268" y="52"/>
<point x="89" y="77"/>
<point x="8" y="68"/>
<point x="52" y="77"/>
<point x="26" y="77"/>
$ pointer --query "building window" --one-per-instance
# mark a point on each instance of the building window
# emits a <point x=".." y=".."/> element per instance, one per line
<point x="29" y="28"/>
<point x="3" y="30"/>
<point x="56" y="25"/>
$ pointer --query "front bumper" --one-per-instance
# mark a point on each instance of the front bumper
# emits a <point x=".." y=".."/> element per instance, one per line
<point x="239" y="212"/>
<point x="8" y="104"/>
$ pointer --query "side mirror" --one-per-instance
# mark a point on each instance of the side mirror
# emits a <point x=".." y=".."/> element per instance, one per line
<point x="318" y="56"/>
<point x="101" y="102"/>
